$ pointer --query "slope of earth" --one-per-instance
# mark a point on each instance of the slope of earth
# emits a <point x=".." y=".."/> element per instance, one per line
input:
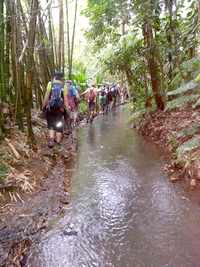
<point x="34" y="191"/>
<point x="177" y="131"/>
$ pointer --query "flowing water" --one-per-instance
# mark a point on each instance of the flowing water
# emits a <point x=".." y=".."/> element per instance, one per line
<point x="124" y="212"/>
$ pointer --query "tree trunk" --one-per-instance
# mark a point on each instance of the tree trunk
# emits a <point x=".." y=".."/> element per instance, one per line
<point x="170" y="39"/>
<point x="7" y="53"/>
<point x="55" y="48"/>
<point x="129" y="76"/>
<point x="51" y="41"/>
<point x="2" y="53"/>
<point x="30" y="69"/>
<point x="68" y="42"/>
<point x="45" y="65"/>
<point x="153" y="65"/>
<point x="73" y="34"/>
<point x="61" y="37"/>
<point x="17" y="71"/>
<point x="1" y="62"/>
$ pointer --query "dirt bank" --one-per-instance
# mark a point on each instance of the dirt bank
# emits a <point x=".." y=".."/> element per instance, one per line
<point x="178" y="133"/>
<point x="34" y="192"/>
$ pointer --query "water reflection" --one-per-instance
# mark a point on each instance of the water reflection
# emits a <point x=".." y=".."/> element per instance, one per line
<point x="124" y="211"/>
<point x="91" y="139"/>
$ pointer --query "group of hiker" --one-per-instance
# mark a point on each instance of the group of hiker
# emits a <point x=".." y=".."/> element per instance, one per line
<point x="110" y="96"/>
<point x="61" y="104"/>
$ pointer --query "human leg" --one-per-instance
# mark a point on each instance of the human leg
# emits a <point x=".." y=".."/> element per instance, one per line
<point x="51" y="138"/>
<point x="59" y="126"/>
<point x="59" y="136"/>
<point x="51" y="131"/>
<point x="67" y="120"/>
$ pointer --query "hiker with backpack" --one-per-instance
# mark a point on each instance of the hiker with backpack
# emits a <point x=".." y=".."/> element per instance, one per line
<point x="114" y="95"/>
<point x="109" y="99"/>
<point x="90" y="96"/>
<point x="54" y="105"/>
<point x="73" y="100"/>
<point x="103" y="101"/>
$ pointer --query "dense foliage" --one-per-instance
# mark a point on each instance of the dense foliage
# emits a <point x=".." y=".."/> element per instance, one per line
<point x="146" y="42"/>
<point x="151" y="46"/>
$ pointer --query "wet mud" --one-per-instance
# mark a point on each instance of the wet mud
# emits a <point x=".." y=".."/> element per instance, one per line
<point x="22" y="223"/>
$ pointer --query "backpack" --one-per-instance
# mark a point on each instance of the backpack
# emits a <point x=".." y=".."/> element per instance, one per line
<point x="72" y="91"/>
<point x="113" y="91"/>
<point x="103" y="93"/>
<point x="56" y="100"/>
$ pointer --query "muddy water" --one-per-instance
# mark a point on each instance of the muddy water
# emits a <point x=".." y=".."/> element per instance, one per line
<point x="124" y="212"/>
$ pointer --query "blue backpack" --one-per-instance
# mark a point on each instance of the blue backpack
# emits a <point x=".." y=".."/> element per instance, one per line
<point x="72" y="91"/>
<point x="56" y="99"/>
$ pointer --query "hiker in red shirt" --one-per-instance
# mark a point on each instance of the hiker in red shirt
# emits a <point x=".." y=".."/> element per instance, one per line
<point x="90" y="96"/>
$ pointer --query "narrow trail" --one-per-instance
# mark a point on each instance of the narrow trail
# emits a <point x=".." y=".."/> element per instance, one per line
<point x="124" y="212"/>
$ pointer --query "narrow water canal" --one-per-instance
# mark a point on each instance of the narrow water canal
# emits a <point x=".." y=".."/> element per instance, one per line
<point x="124" y="212"/>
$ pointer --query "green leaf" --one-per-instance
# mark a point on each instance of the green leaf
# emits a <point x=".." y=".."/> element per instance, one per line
<point x="187" y="87"/>
<point x="188" y="146"/>
<point x="3" y="172"/>
<point x="181" y="101"/>
<point x="197" y="79"/>
<point x="190" y="131"/>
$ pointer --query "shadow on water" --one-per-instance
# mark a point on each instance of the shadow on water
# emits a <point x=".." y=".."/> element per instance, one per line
<point x="124" y="212"/>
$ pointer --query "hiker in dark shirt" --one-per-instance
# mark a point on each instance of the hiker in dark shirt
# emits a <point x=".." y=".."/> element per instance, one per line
<point x="54" y="104"/>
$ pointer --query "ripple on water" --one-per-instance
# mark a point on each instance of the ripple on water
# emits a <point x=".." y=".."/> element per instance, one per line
<point x="125" y="212"/>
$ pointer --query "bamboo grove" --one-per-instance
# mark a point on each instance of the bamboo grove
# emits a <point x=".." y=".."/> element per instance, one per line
<point x="31" y="48"/>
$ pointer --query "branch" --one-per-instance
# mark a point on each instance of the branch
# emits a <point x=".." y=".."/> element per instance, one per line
<point x="16" y="154"/>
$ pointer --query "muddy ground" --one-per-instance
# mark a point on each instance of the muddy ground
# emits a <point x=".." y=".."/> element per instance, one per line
<point x="171" y="130"/>
<point x="35" y="192"/>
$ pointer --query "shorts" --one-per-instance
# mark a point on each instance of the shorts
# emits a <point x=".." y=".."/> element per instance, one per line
<point x="102" y="101"/>
<point x="91" y="105"/>
<point x="55" y="121"/>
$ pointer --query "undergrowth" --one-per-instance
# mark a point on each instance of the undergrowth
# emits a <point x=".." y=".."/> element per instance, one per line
<point x="4" y="170"/>
<point x="181" y="101"/>
<point x="82" y="107"/>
